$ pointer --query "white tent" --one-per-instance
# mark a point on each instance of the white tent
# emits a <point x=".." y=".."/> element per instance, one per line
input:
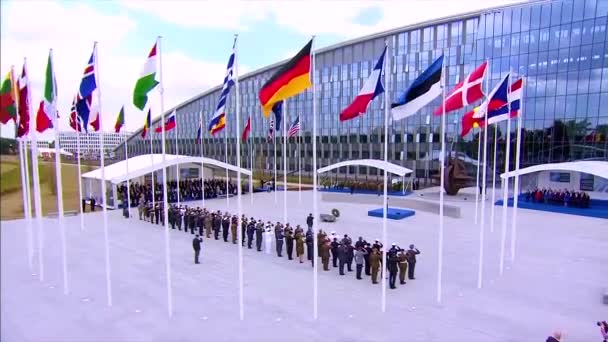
<point x="380" y="164"/>
<point x="596" y="168"/>
<point x="42" y="150"/>
<point x="144" y="164"/>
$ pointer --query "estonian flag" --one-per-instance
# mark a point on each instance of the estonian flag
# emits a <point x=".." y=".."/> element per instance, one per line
<point x="423" y="90"/>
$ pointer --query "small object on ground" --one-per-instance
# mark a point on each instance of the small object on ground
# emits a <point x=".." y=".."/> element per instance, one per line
<point x="335" y="212"/>
<point x="327" y="218"/>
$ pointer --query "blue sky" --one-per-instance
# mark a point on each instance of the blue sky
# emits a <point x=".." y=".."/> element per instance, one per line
<point x="197" y="39"/>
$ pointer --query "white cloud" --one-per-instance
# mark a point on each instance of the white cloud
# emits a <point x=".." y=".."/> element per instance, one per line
<point x="184" y="76"/>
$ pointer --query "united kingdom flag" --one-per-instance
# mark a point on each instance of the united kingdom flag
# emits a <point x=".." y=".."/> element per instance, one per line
<point x="87" y="111"/>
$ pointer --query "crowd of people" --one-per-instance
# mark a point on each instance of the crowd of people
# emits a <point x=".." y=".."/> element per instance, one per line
<point x="341" y="250"/>
<point x="564" y="197"/>
<point x="189" y="189"/>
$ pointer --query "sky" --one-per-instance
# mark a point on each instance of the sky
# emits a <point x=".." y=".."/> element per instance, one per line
<point x="197" y="39"/>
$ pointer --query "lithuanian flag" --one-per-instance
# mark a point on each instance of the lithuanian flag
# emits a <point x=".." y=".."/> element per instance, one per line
<point x="8" y="99"/>
<point x="291" y="79"/>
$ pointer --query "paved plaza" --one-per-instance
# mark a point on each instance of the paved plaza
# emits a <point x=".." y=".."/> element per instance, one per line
<point x="556" y="282"/>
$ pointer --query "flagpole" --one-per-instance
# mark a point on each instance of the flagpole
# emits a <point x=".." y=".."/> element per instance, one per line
<point x="314" y="182"/>
<point x="385" y="195"/>
<point x="30" y="243"/>
<point x="494" y="179"/>
<point x="177" y="153"/>
<point x="79" y="126"/>
<point x="299" y="160"/>
<point x="238" y="180"/>
<point x="103" y="186"/>
<point x="151" y="163"/>
<point x="251" y="156"/>
<point x="165" y="204"/>
<point x="516" y="185"/>
<point x="441" y="190"/>
<point x="274" y="140"/>
<point x="226" y="160"/>
<point x="477" y="177"/>
<point x="59" y="184"/>
<point x="505" y="189"/>
<point x="285" y="163"/>
<point x="482" y="224"/>
<point x="202" y="159"/>
<point x="128" y="181"/>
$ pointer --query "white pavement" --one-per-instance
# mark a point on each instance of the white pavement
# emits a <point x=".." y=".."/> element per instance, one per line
<point x="555" y="283"/>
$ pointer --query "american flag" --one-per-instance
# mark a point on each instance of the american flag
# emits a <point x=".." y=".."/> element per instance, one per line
<point x="271" y="130"/>
<point x="295" y="128"/>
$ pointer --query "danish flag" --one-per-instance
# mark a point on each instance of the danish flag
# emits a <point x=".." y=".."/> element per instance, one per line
<point x="465" y="92"/>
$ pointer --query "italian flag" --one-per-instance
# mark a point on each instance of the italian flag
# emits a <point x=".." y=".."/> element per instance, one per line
<point x="47" y="105"/>
<point x="146" y="82"/>
<point x="8" y="108"/>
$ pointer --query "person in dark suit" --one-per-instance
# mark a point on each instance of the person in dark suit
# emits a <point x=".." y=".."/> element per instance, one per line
<point x="92" y="204"/>
<point x="196" y="245"/>
<point x="309" y="221"/>
<point x="84" y="205"/>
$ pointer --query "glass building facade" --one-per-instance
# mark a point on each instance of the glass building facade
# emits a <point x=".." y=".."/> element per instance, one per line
<point x="560" y="47"/>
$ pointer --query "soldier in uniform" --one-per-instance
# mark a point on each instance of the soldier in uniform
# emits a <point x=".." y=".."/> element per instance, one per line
<point x="300" y="246"/>
<point x="279" y="235"/>
<point x="259" y="233"/>
<point x="334" y="252"/>
<point x="320" y="241"/>
<point x="217" y="222"/>
<point x="243" y="229"/>
<point x="178" y="218"/>
<point x="233" y="228"/>
<point x="250" y="232"/>
<point x="374" y="260"/>
<point x="289" y="242"/>
<point x="309" y="245"/>
<point x="342" y="257"/>
<point x="171" y="218"/>
<point x="350" y="254"/>
<point x="325" y="255"/>
<point x="402" y="266"/>
<point x="225" y="226"/>
<point x="391" y="263"/>
<point x="208" y="218"/>
<point x="411" y="260"/>
<point x="368" y="249"/>
<point x="200" y="222"/>
<point x="192" y="221"/>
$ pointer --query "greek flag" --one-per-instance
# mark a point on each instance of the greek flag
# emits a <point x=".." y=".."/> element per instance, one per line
<point x="218" y="121"/>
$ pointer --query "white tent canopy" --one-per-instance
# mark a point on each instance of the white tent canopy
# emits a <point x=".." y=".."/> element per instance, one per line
<point x="144" y="164"/>
<point x="380" y="164"/>
<point x="596" y="168"/>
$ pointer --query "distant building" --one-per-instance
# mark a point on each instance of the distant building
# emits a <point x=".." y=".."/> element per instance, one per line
<point x="40" y="144"/>
<point x="90" y="143"/>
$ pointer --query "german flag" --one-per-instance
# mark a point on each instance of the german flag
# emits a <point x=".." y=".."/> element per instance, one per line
<point x="291" y="79"/>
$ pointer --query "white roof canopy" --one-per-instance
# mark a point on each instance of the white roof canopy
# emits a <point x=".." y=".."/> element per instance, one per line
<point x="144" y="164"/>
<point x="380" y="164"/>
<point x="597" y="168"/>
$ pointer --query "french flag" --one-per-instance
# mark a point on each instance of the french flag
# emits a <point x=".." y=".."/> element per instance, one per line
<point x="371" y="89"/>
<point x="515" y="97"/>
<point x="169" y="124"/>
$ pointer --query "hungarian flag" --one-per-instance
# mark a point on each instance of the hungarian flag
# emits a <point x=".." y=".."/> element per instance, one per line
<point x="371" y="89"/>
<point x="146" y="82"/>
<point x="169" y="124"/>
<point x="23" y="128"/>
<point x="246" y="130"/>
<point x="465" y="92"/>
<point x="291" y="79"/>
<point x="48" y="104"/>
<point x="147" y="124"/>
<point x="120" y="120"/>
<point x="8" y="108"/>
<point x="469" y="122"/>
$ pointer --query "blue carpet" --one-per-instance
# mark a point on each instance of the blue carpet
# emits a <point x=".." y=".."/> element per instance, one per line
<point x="597" y="208"/>
<point x="366" y="192"/>
<point x="392" y="213"/>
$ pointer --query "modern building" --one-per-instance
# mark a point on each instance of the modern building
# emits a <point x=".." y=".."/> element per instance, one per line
<point x="90" y="142"/>
<point x="560" y="46"/>
<point x="39" y="143"/>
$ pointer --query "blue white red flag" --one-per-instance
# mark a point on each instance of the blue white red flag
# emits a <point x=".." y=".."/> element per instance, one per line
<point x="218" y="121"/>
<point x="85" y="107"/>
<point x="515" y="98"/>
<point x="371" y="89"/>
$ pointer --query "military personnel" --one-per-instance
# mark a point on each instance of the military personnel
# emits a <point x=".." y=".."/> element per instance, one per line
<point x="259" y="233"/>
<point x="200" y="222"/>
<point x="157" y="213"/>
<point x="243" y="229"/>
<point x="368" y="249"/>
<point x="196" y="245"/>
<point x="411" y="260"/>
<point x="171" y="220"/>
<point x="233" y="228"/>
<point x="324" y="247"/>
<point x="217" y="222"/>
<point x="300" y="246"/>
<point x="391" y="264"/>
<point x="360" y="254"/>
<point x="225" y="226"/>
<point x="402" y="266"/>
<point x="320" y="241"/>
<point x="289" y="242"/>
<point x="374" y="260"/>
<point x="342" y="257"/>
<point x="140" y="209"/>
<point x="279" y="236"/>
<point x="178" y="218"/>
<point x="250" y="232"/>
<point x="350" y="254"/>
<point x="208" y="219"/>
<point x="334" y="252"/>
<point x="310" y="246"/>
<point x="192" y="221"/>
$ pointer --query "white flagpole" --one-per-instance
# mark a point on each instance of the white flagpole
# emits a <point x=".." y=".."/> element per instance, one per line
<point x="59" y="184"/>
<point x="441" y="190"/>
<point x="79" y="173"/>
<point x="152" y="163"/>
<point x="299" y="161"/>
<point x="226" y="160"/>
<point x="505" y="189"/>
<point x="516" y="185"/>
<point x="274" y="140"/>
<point x="177" y="153"/>
<point x="482" y="225"/>
<point x="494" y="179"/>
<point x="477" y="177"/>
<point x="103" y="186"/>
<point x="315" y="209"/>
<point x="387" y="71"/>
<point x="238" y="180"/>
<point x="202" y="161"/>
<point x="251" y="156"/>
<point x="165" y="204"/>
<point x="285" y="162"/>
<point x="128" y="181"/>
<point x="28" y="198"/>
